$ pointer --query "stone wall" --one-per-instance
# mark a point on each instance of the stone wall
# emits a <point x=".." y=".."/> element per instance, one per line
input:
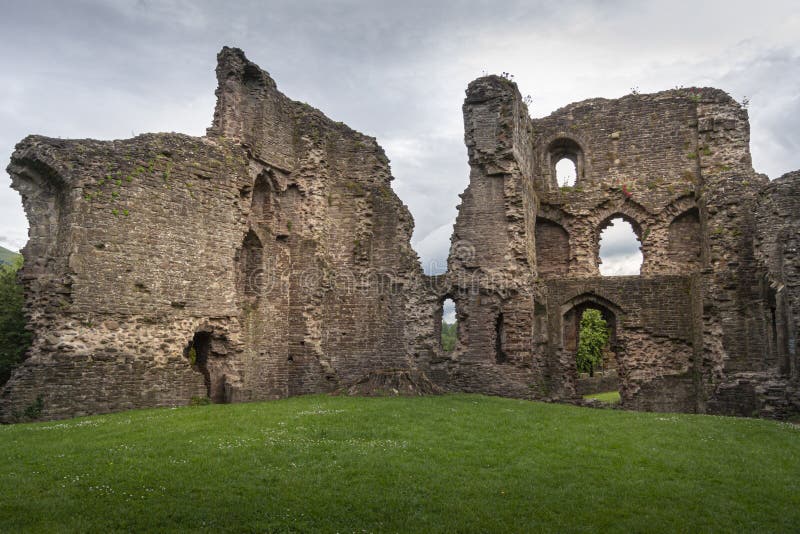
<point x="692" y="333"/>
<point x="267" y="259"/>
<point x="638" y="158"/>
<point x="490" y="268"/>
<point x="652" y="336"/>
<point x="115" y="285"/>
<point x="777" y="247"/>
<point x="777" y="242"/>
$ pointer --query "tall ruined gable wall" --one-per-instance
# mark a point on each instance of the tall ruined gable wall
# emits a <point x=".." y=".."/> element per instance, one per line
<point x="636" y="159"/>
<point x="338" y="256"/>
<point x="272" y="254"/>
<point x="490" y="267"/>
<point x="510" y="326"/>
<point x="676" y="165"/>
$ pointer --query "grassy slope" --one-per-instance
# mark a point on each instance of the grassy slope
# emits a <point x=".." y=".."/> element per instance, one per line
<point x="609" y="397"/>
<point x="7" y="256"/>
<point x="435" y="464"/>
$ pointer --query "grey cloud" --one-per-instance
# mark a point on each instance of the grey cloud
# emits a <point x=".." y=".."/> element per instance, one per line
<point x="618" y="239"/>
<point x="393" y="70"/>
<point x="621" y="265"/>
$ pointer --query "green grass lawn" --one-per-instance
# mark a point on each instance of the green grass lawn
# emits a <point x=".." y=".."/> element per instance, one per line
<point x="609" y="397"/>
<point x="460" y="463"/>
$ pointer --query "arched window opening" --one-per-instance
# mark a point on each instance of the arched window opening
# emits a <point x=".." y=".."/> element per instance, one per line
<point x="448" y="325"/>
<point x="566" y="172"/>
<point x="552" y="249"/>
<point x="684" y="247"/>
<point x="566" y="162"/>
<point x="777" y="329"/>
<point x="261" y="206"/>
<point x="620" y="251"/>
<point x="251" y="260"/>
<point x="500" y="355"/>
<point x="590" y="335"/>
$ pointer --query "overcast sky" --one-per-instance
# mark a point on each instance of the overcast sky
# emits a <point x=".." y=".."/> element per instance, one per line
<point x="394" y="70"/>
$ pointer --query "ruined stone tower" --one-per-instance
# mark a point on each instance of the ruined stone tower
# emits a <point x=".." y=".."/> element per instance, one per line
<point x="272" y="258"/>
<point x="709" y="325"/>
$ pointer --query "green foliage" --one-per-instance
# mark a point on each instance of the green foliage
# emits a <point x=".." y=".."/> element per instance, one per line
<point x="592" y="338"/>
<point x="8" y="256"/>
<point x="450" y="463"/>
<point x="14" y="339"/>
<point x="448" y="336"/>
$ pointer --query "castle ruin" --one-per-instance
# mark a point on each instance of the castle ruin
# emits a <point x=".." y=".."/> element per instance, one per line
<point x="271" y="258"/>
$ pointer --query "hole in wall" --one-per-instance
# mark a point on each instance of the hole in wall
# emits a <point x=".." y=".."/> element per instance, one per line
<point x="590" y="333"/>
<point x="593" y="351"/>
<point x="566" y="172"/>
<point x="449" y="326"/>
<point x="777" y="339"/>
<point x="620" y="249"/>
<point x="207" y="353"/>
<point x="500" y="355"/>
<point x="261" y="204"/>
<point x="197" y="353"/>
<point x="566" y="162"/>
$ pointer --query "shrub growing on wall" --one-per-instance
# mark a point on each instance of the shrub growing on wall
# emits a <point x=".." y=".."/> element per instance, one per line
<point x="14" y="339"/>
<point x="592" y="338"/>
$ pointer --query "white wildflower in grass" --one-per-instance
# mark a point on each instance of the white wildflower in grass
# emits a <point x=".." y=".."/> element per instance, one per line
<point x="320" y="412"/>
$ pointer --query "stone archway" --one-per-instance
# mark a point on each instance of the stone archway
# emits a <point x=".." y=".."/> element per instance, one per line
<point x="607" y="378"/>
<point x="630" y="236"/>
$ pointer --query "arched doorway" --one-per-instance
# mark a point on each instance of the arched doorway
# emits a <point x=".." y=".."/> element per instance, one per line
<point x="602" y="380"/>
